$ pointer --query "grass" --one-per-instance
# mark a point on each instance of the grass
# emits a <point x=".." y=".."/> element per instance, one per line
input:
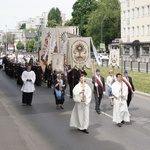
<point x="140" y="80"/>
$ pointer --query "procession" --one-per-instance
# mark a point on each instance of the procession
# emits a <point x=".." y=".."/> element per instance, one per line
<point x="75" y="75"/>
<point x="56" y="72"/>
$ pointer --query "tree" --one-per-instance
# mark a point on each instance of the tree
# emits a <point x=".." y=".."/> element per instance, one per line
<point x="30" y="45"/>
<point x="81" y="12"/>
<point x="20" y="45"/>
<point x="10" y="38"/>
<point x="23" y="26"/>
<point x="107" y="18"/>
<point x="69" y="23"/>
<point x="54" y="14"/>
<point x="52" y="23"/>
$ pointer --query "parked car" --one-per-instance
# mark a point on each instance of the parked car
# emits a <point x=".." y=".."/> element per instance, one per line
<point x="103" y="56"/>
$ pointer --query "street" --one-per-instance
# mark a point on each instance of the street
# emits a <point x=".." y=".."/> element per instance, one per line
<point x="43" y="127"/>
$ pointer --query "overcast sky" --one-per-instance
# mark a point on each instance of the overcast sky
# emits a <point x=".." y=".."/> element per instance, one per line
<point x="12" y="11"/>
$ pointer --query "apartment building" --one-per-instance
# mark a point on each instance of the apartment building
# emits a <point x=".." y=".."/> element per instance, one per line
<point x="135" y="27"/>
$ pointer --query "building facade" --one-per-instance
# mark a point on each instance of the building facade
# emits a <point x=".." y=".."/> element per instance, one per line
<point x="135" y="28"/>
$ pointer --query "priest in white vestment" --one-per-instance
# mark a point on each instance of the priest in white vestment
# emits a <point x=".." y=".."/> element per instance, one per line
<point x="120" y="109"/>
<point x="28" y="78"/>
<point x="82" y="95"/>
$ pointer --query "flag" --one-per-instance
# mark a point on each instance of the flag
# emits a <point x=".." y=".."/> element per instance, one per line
<point x="79" y="52"/>
<point x="58" y="62"/>
<point x="114" y="57"/>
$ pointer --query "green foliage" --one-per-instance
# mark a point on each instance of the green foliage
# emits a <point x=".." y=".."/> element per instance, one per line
<point x="106" y="15"/>
<point x="54" y="14"/>
<point x="20" y="45"/>
<point x="23" y="26"/>
<point x="137" y="77"/>
<point x="30" y="45"/>
<point x="10" y="38"/>
<point x="69" y="23"/>
<point x="52" y="24"/>
<point x="81" y="12"/>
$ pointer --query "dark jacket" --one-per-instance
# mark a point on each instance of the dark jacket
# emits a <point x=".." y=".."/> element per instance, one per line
<point x="100" y="89"/>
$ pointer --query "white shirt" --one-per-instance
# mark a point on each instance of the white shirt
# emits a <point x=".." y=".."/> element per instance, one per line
<point x="28" y="86"/>
<point x="109" y="80"/>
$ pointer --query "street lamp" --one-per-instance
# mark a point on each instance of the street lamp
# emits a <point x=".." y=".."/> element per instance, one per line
<point x="6" y="40"/>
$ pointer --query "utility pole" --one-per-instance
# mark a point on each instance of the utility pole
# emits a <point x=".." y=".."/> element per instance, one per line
<point x="39" y="33"/>
<point x="101" y="33"/>
<point x="6" y="40"/>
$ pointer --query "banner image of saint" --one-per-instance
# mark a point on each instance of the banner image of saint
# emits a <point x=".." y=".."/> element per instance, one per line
<point x="80" y="52"/>
<point x="62" y="36"/>
<point x="58" y="62"/>
<point x="47" y="46"/>
<point x="114" y="57"/>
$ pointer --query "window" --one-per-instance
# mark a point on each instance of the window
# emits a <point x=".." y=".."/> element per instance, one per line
<point x="142" y="12"/>
<point x="124" y="32"/>
<point x="137" y="12"/>
<point x="128" y="14"/>
<point x="129" y="31"/>
<point x="142" y="30"/>
<point x="148" y="29"/>
<point x="132" y="13"/>
<point x="137" y="33"/>
<point x="124" y="15"/>
<point x="132" y="31"/>
<point x="148" y="9"/>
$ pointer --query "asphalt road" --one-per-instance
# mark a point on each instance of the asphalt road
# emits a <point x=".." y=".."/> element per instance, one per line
<point x="42" y="127"/>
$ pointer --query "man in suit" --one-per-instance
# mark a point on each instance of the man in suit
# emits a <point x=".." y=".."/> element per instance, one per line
<point x="128" y="81"/>
<point x="99" y="89"/>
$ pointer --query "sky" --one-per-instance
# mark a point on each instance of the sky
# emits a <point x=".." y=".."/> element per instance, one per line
<point x="12" y="11"/>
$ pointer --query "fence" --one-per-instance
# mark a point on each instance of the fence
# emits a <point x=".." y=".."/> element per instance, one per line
<point x="140" y="64"/>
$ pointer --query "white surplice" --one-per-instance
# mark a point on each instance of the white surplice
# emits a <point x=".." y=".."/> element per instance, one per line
<point x="80" y="113"/>
<point x="120" y="109"/>
<point x="28" y="86"/>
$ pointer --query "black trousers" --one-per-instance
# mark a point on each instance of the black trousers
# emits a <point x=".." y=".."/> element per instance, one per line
<point x="97" y="102"/>
<point x="27" y="98"/>
<point x="129" y="99"/>
<point x="71" y="90"/>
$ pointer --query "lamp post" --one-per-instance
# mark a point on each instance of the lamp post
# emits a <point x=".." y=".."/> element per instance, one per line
<point x="101" y="23"/>
<point x="6" y="40"/>
<point x="39" y="33"/>
<point x="101" y="33"/>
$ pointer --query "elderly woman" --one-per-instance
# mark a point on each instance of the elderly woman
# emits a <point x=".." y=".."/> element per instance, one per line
<point x="59" y="91"/>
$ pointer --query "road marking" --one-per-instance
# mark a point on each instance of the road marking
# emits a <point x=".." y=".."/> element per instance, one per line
<point x="102" y="112"/>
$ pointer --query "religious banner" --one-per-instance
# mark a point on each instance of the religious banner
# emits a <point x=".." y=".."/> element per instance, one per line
<point x="62" y="36"/>
<point x="79" y="51"/>
<point x="95" y="53"/>
<point x="47" y="46"/>
<point x="114" y="57"/>
<point x="58" y="62"/>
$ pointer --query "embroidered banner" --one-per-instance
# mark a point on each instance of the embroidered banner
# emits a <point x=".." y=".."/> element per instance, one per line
<point x="114" y="57"/>
<point x="58" y="62"/>
<point x="79" y="52"/>
<point x="62" y="35"/>
<point x="47" y="45"/>
<point x="95" y="54"/>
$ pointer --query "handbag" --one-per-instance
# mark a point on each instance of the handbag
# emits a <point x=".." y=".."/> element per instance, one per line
<point x="58" y="94"/>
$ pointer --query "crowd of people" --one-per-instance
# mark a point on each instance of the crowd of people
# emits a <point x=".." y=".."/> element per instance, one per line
<point x="120" y="89"/>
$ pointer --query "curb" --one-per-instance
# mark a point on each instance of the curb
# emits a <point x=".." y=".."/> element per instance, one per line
<point x="136" y="92"/>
